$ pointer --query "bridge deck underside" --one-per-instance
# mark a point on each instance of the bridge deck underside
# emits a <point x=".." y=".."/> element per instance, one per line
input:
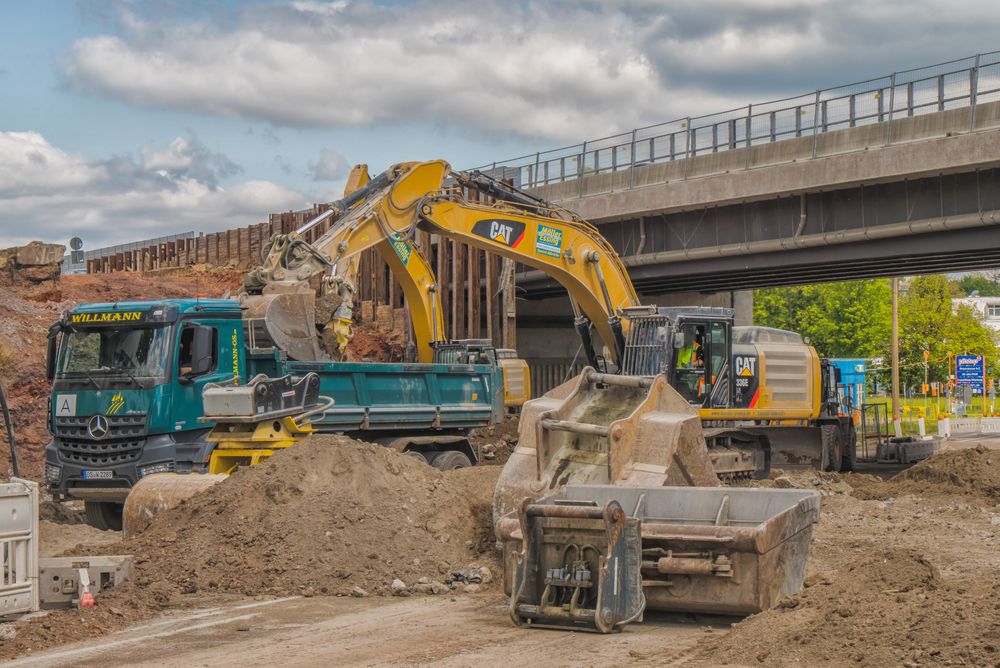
<point x="733" y="246"/>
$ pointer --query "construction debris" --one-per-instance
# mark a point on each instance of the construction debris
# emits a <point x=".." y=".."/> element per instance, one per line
<point x="34" y="268"/>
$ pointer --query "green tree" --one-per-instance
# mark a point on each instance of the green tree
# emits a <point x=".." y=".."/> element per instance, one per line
<point x="927" y="322"/>
<point x="846" y="319"/>
<point x="983" y="285"/>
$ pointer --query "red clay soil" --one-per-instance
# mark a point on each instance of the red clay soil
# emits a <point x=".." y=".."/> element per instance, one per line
<point x="370" y="344"/>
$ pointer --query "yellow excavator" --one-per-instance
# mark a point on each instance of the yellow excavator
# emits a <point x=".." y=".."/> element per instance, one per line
<point x="764" y="396"/>
<point x="304" y="293"/>
<point x="680" y="398"/>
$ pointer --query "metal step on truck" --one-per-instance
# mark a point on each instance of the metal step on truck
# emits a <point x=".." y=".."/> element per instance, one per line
<point x="127" y="382"/>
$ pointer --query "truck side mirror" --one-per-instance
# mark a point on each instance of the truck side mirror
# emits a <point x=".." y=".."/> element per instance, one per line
<point x="202" y="351"/>
<point x="50" y="353"/>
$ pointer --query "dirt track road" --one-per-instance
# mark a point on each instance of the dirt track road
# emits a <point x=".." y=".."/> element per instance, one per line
<point x="466" y="631"/>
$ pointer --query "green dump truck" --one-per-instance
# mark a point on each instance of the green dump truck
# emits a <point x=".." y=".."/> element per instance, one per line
<point x="127" y="381"/>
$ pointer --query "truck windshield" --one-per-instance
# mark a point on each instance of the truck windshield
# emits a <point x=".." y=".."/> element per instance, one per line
<point x="97" y="351"/>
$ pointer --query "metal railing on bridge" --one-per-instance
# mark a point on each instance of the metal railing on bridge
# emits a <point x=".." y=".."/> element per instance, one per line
<point x="958" y="83"/>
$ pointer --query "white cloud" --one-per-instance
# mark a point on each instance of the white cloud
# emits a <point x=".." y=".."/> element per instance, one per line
<point x="331" y="166"/>
<point x="481" y="66"/>
<point x="49" y="194"/>
<point x="559" y="70"/>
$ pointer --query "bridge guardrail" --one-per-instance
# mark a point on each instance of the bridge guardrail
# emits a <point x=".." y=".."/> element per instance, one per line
<point x="965" y="82"/>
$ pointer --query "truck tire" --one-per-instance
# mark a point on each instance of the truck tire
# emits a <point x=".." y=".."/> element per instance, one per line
<point x="451" y="459"/>
<point x="850" y="458"/>
<point x="416" y="454"/>
<point x="103" y="515"/>
<point x="833" y="446"/>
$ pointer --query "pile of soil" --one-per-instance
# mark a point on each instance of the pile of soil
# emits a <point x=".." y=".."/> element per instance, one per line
<point x="326" y="516"/>
<point x="496" y="442"/>
<point x="975" y="471"/>
<point x="61" y="513"/>
<point x="370" y="344"/>
<point x="886" y="607"/>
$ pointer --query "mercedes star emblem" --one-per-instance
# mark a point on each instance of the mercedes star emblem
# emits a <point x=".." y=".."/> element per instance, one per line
<point x="98" y="427"/>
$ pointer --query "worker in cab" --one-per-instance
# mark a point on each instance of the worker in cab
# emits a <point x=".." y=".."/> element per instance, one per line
<point x="692" y="356"/>
<point x="691" y="366"/>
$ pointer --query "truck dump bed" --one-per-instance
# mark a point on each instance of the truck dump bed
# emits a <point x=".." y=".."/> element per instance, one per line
<point x="387" y="396"/>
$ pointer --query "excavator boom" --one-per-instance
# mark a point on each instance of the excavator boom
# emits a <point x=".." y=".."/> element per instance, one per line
<point x="304" y="293"/>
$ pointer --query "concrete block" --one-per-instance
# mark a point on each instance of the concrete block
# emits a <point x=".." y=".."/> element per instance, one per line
<point x="38" y="254"/>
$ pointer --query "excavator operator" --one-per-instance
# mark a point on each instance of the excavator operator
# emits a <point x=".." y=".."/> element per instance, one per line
<point x="691" y="366"/>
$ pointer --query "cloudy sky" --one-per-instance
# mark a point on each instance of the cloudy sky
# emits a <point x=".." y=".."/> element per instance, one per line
<point x="126" y="120"/>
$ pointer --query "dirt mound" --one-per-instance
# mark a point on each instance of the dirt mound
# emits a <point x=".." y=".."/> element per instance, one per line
<point x="886" y="607"/>
<point x="370" y="344"/>
<point x="826" y="484"/>
<point x="61" y="513"/>
<point x="975" y="471"/>
<point x="496" y="442"/>
<point x="325" y="516"/>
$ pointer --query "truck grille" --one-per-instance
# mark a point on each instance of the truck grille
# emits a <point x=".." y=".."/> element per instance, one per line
<point x="122" y="445"/>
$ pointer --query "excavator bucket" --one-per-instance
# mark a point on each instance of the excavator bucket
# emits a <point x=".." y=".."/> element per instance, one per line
<point x="158" y="492"/>
<point x="284" y="319"/>
<point x="600" y="429"/>
<point x="635" y="443"/>
<point x="580" y="569"/>
<point x="714" y="550"/>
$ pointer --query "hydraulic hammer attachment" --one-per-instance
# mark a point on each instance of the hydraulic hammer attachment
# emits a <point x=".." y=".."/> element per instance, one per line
<point x="580" y="567"/>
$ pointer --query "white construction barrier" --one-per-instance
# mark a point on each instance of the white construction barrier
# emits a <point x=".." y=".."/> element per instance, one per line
<point x="18" y="547"/>
<point x="965" y="425"/>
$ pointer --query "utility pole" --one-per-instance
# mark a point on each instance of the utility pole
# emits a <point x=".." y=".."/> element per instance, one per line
<point x="897" y="425"/>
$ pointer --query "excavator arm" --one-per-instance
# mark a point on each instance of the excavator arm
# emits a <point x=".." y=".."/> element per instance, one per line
<point x="530" y="231"/>
<point x="569" y="250"/>
<point x="301" y="285"/>
<point x="384" y="213"/>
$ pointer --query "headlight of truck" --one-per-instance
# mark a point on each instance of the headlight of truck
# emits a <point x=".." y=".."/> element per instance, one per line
<point x="164" y="467"/>
<point x="52" y="473"/>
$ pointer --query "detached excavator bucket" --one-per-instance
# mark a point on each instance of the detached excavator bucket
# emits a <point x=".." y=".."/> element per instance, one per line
<point x="286" y="320"/>
<point x="716" y="550"/>
<point x="599" y="429"/>
<point x="580" y="567"/>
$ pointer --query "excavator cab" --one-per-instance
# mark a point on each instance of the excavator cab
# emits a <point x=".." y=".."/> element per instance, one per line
<point x="693" y="346"/>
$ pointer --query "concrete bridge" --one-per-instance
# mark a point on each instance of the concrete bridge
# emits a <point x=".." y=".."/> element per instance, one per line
<point x="894" y="176"/>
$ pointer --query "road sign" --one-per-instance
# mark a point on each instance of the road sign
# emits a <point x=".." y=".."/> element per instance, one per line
<point x="76" y="243"/>
<point x="970" y="370"/>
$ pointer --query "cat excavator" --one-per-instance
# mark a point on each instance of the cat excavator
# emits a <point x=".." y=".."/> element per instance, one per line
<point x="675" y="398"/>
<point x="764" y="397"/>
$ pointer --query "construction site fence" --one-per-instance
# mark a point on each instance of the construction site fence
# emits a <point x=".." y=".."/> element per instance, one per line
<point x="478" y="288"/>
<point x="966" y="425"/>
<point x="966" y="82"/>
<point x="546" y="375"/>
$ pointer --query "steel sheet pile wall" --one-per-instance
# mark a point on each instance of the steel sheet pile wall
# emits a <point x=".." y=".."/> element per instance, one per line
<point x="475" y="305"/>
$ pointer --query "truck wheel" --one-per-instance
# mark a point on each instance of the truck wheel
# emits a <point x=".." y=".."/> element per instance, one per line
<point x="416" y="454"/>
<point x="833" y="445"/>
<point x="103" y="515"/>
<point x="850" y="449"/>
<point x="451" y="459"/>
